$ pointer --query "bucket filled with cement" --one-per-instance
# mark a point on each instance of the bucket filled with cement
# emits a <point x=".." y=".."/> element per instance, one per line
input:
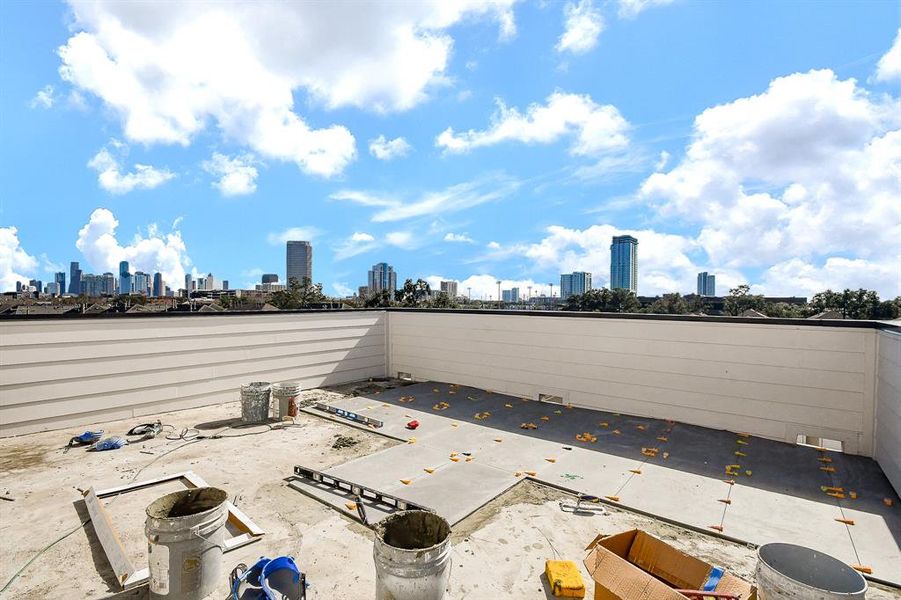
<point x="186" y="537"/>
<point x="255" y="402"/>
<point x="787" y="571"/>
<point x="412" y="556"/>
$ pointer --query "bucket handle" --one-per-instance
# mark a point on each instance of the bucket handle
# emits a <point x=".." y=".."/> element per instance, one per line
<point x="195" y="531"/>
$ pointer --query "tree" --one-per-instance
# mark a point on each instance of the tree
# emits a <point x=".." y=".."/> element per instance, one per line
<point x="852" y="304"/>
<point x="413" y="294"/>
<point x="741" y="299"/>
<point x="443" y="301"/>
<point x="298" y="295"/>
<point x="888" y="309"/>
<point x="670" y="304"/>
<point x="380" y="299"/>
<point x="604" y="300"/>
<point x="784" y="310"/>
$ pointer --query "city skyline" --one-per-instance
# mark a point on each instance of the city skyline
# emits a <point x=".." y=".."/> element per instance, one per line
<point x="460" y="168"/>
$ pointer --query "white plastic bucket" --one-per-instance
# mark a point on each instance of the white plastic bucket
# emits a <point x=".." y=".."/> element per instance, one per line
<point x="186" y="537"/>
<point x="285" y="394"/>
<point x="790" y="572"/>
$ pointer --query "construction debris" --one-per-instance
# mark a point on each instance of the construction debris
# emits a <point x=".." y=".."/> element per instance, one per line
<point x="528" y="426"/>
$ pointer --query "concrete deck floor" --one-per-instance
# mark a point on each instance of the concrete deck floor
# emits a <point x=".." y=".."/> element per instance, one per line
<point x="499" y="551"/>
<point x="777" y="495"/>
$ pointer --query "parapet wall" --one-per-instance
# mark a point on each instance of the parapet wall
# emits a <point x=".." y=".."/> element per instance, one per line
<point x="772" y="380"/>
<point x="888" y="407"/>
<point x="58" y="373"/>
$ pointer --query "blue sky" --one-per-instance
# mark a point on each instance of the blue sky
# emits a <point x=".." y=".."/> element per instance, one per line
<point x="469" y="141"/>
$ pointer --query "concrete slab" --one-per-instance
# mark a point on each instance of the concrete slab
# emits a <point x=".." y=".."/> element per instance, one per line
<point x="776" y="497"/>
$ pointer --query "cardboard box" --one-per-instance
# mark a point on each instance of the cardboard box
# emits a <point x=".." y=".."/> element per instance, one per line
<point x="635" y="565"/>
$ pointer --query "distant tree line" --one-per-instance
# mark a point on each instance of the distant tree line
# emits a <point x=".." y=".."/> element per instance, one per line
<point x="850" y="304"/>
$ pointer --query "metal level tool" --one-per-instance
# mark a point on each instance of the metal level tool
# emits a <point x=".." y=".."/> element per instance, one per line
<point x="346" y="414"/>
<point x="358" y="492"/>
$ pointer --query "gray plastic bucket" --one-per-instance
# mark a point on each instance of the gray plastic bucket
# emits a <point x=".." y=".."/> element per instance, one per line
<point x="185" y="537"/>
<point x="787" y="571"/>
<point x="283" y="395"/>
<point x="255" y="402"/>
<point x="412" y="555"/>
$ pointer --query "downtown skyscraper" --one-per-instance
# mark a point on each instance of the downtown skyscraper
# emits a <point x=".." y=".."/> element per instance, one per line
<point x="574" y="284"/>
<point x="299" y="261"/>
<point x="624" y="263"/>
<point x="382" y="277"/>
<point x="706" y="284"/>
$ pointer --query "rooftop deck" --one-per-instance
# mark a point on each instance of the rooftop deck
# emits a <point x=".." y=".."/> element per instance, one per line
<point x="499" y="549"/>
<point x="686" y="382"/>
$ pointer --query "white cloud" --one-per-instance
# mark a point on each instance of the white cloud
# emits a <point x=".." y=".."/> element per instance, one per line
<point x="384" y="149"/>
<point x="169" y="74"/>
<point x="797" y="276"/>
<point x="458" y="237"/>
<point x="15" y="263"/>
<point x="662" y="161"/>
<point x="452" y="199"/>
<point x="342" y="289"/>
<point x="484" y="286"/>
<point x="306" y="234"/>
<point x="358" y="243"/>
<point x="237" y="176"/>
<point x="629" y="9"/>
<point x="493" y="246"/>
<point x="889" y="66"/>
<point x="595" y="128"/>
<point x="44" y="98"/>
<point x="402" y="239"/>
<point x="111" y="178"/>
<point x="155" y="252"/>
<point x="807" y="170"/>
<point x="583" y="24"/>
<point x="464" y="95"/>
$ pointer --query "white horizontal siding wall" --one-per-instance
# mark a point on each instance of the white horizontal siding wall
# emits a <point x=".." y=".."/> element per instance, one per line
<point x="775" y="381"/>
<point x="888" y="407"/>
<point x="60" y="373"/>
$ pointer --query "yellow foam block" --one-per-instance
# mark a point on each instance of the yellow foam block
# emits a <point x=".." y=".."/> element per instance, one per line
<point x="565" y="579"/>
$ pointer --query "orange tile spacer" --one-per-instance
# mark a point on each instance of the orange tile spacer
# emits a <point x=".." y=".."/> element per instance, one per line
<point x="612" y="498"/>
<point x="853" y="495"/>
<point x="455" y="459"/>
<point x="351" y="505"/>
<point x="636" y="471"/>
<point x="716" y="527"/>
<point x="531" y="473"/>
<point x="518" y="474"/>
<point x="725" y="500"/>
<point x="406" y="481"/>
<point x="863" y="569"/>
<point x="429" y="470"/>
<point x="846" y="521"/>
<point x="604" y="424"/>
<point x="551" y="460"/>
<point x="729" y="481"/>
<point x="888" y="501"/>
<point x="839" y="495"/>
<point x="825" y="459"/>
<point x="640" y="427"/>
<point x="662" y="438"/>
<point x="828" y="469"/>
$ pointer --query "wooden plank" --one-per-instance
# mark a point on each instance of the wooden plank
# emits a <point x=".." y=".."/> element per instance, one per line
<point x="109" y="539"/>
